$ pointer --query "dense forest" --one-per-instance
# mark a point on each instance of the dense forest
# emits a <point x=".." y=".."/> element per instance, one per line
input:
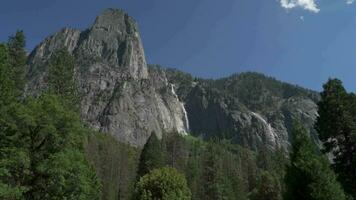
<point x="48" y="152"/>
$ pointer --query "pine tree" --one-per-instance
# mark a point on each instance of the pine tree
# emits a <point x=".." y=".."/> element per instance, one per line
<point x="61" y="78"/>
<point x="336" y="126"/>
<point x="42" y="155"/>
<point x="17" y="59"/>
<point x="268" y="188"/>
<point x="175" y="150"/>
<point x="152" y="156"/>
<point x="13" y="160"/>
<point x="211" y="172"/>
<point x="7" y="84"/>
<point x="41" y="146"/>
<point x="309" y="176"/>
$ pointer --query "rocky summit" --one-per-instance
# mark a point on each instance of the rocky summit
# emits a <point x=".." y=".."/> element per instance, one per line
<point x="123" y="96"/>
<point x="119" y="96"/>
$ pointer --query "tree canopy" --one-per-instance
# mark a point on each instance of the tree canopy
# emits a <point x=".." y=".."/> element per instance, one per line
<point x="309" y="176"/>
<point x="17" y="59"/>
<point x="336" y="126"/>
<point x="61" y="77"/>
<point x="152" y="156"/>
<point x="165" y="184"/>
<point x="42" y="140"/>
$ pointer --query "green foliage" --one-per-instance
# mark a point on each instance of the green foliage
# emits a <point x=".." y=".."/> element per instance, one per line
<point x="336" y="126"/>
<point x="42" y="154"/>
<point x="164" y="183"/>
<point x="235" y="173"/>
<point x="174" y="153"/>
<point x="268" y="188"/>
<point x="17" y="60"/>
<point x="115" y="164"/>
<point x="13" y="160"/>
<point x="215" y="169"/>
<point x="270" y="182"/>
<point x="210" y="172"/>
<point x="309" y="176"/>
<point x="256" y="91"/>
<point x="7" y="84"/>
<point x="61" y="77"/>
<point x="152" y="156"/>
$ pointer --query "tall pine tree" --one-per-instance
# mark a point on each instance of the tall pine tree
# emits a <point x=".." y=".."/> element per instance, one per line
<point x="211" y="171"/>
<point x="41" y="145"/>
<point x="42" y="155"/>
<point x="61" y="77"/>
<point x="152" y="156"/>
<point x="268" y="188"/>
<point x="309" y="176"/>
<point x="336" y="126"/>
<point x="17" y="59"/>
<point x="7" y="84"/>
<point x="13" y="158"/>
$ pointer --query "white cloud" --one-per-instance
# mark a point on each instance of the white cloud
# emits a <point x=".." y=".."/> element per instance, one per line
<point x="350" y="2"/>
<point x="309" y="5"/>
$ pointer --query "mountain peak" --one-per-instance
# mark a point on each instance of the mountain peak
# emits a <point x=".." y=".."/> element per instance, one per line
<point x="115" y="20"/>
<point x="112" y="39"/>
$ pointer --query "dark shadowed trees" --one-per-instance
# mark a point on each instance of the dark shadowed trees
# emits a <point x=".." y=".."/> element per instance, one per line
<point x="336" y="126"/>
<point x="309" y="176"/>
<point x="152" y="156"/>
<point x="17" y="59"/>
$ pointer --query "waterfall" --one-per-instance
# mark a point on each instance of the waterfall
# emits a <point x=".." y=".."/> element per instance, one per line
<point x="185" y="128"/>
<point x="271" y="134"/>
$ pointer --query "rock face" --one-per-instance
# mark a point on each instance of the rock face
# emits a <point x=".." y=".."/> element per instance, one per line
<point x="119" y="96"/>
<point x="122" y="96"/>
<point x="249" y="108"/>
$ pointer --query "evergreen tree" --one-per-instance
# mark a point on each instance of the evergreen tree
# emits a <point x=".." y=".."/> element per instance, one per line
<point x="193" y="166"/>
<point x="165" y="184"/>
<point x="7" y="84"/>
<point x="41" y="146"/>
<point x="211" y="172"/>
<point x="152" y="156"/>
<point x="42" y="154"/>
<point x="13" y="160"/>
<point x="268" y="188"/>
<point x="17" y="59"/>
<point x="61" y="78"/>
<point x="174" y="145"/>
<point x="309" y="176"/>
<point x="336" y="126"/>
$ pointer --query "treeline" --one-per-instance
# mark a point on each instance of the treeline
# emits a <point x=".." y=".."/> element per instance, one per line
<point x="186" y="168"/>
<point x="42" y="138"/>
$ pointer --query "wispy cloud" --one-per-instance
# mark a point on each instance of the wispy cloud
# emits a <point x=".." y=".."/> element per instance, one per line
<point x="309" y="5"/>
<point x="350" y="2"/>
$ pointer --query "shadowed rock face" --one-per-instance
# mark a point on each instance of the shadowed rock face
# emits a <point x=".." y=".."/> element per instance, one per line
<point x="122" y="96"/>
<point x="119" y="95"/>
<point x="249" y="108"/>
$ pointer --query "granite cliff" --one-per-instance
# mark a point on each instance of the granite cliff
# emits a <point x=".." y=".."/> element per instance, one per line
<point x="123" y="96"/>
<point x="250" y="109"/>
<point x="118" y="94"/>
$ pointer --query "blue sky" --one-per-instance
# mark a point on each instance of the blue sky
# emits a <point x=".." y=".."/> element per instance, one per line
<point x="299" y="41"/>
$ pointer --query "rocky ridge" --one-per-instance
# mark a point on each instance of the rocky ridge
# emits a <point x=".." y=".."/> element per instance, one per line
<point x="118" y="94"/>
<point x="123" y="96"/>
<point x="250" y="109"/>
